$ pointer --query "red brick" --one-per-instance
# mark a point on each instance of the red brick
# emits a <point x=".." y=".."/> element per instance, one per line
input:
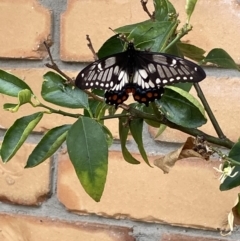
<point x="24" y="25"/>
<point x="185" y="197"/>
<point x="215" y="25"/>
<point x="24" y="186"/>
<point x="181" y="237"/>
<point x="18" y="227"/>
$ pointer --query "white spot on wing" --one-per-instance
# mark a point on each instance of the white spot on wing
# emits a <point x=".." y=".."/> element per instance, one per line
<point x="151" y="84"/>
<point x="121" y="75"/>
<point x="143" y="73"/>
<point x="100" y="66"/>
<point x="109" y="62"/>
<point x="164" y="81"/>
<point x="174" y="61"/>
<point x="158" y="81"/>
<point x="151" y="68"/>
<point x="116" y="69"/>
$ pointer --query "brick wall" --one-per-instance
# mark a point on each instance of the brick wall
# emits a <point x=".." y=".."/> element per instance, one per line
<point x="139" y="203"/>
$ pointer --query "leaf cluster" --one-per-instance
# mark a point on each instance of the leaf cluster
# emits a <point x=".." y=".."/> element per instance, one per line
<point x="88" y="138"/>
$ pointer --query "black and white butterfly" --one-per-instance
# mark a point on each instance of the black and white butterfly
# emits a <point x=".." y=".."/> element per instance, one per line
<point x="142" y="73"/>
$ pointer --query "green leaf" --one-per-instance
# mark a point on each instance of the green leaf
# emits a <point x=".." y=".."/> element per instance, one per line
<point x="152" y="35"/>
<point x="10" y="107"/>
<point x="191" y="51"/>
<point x="136" y="128"/>
<point x="221" y="58"/>
<point x="112" y="46"/>
<point x="24" y="96"/>
<point x="48" y="145"/>
<point x="108" y="135"/>
<point x="181" y="108"/>
<point x="17" y="134"/>
<point x="11" y="85"/>
<point x="163" y="10"/>
<point x="231" y="182"/>
<point x="123" y="134"/>
<point x="161" y="129"/>
<point x="149" y="110"/>
<point x="127" y="29"/>
<point x="88" y="151"/>
<point x="55" y="91"/>
<point x="189" y="7"/>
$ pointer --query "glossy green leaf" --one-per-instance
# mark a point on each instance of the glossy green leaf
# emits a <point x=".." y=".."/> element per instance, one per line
<point x="221" y="58"/>
<point x="182" y="108"/>
<point x="136" y="128"/>
<point x="163" y="10"/>
<point x="55" y="91"/>
<point x="112" y="46"/>
<point x="88" y="151"/>
<point x="123" y="134"/>
<point x="152" y="35"/>
<point x="11" y="107"/>
<point x="11" y="85"/>
<point x="161" y="129"/>
<point x="48" y="145"/>
<point x="189" y="7"/>
<point x="191" y="51"/>
<point x="149" y="110"/>
<point x="127" y="29"/>
<point x="17" y="134"/>
<point x="24" y="96"/>
<point x="231" y="182"/>
<point x="108" y="135"/>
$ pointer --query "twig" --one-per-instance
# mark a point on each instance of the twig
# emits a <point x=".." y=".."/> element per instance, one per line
<point x="209" y="112"/>
<point x="193" y="132"/>
<point x="183" y="31"/>
<point x="90" y="46"/>
<point x="144" y="6"/>
<point x="54" y="66"/>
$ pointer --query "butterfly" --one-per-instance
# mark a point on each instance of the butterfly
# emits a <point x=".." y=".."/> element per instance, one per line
<point x="142" y="73"/>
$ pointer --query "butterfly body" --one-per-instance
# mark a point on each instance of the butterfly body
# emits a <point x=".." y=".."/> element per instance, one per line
<point x="142" y="73"/>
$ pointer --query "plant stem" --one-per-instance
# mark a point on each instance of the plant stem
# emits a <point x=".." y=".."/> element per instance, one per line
<point x="209" y="112"/>
<point x="191" y="131"/>
<point x="60" y="112"/>
<point x="183" y="31"/>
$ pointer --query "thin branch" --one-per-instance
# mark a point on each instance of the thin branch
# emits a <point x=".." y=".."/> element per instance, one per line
<point x="54" y="66"/>
<point x="183" y="31"/>
<point x="106" y="117"/>
<point x="144" y="6"/>
<point x="191" y="131"/>
<point x="60" y="112"/>
<point x="209" y="112"/>
<point x="90" y="46"/>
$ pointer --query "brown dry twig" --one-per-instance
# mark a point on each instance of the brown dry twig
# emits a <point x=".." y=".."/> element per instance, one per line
<point x="90" y="46"/>
<point x="144" y="6"/>
<point x="54" y="66"/>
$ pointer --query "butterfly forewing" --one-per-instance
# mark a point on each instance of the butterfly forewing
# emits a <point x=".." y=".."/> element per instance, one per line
<point x="103" y="74"/>
<point x="163" y="69"/>
<point x="142" y="73"/>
